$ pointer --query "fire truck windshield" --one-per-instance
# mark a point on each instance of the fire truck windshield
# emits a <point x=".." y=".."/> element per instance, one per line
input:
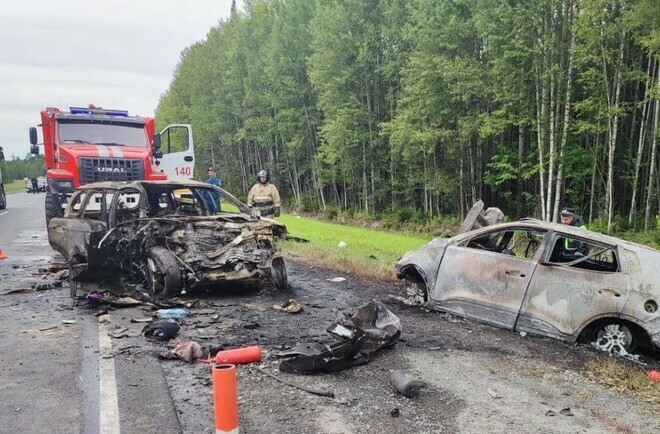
<point x="95" y="132"/>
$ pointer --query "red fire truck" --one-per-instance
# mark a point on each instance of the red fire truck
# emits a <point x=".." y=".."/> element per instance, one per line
<point x="90" y="144"/>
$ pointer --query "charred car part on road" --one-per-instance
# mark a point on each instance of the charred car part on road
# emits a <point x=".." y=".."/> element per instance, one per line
<point x="357" y="339"/>
<point x="162" y="236"/>
<point x="525" y="276"/>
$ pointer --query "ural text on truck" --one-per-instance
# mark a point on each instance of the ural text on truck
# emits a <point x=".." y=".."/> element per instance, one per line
<point x="85" y="145"/>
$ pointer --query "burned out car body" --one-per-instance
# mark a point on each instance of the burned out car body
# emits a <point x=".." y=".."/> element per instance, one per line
<point x="524" y="276"/>
<point x="162" y="235"/>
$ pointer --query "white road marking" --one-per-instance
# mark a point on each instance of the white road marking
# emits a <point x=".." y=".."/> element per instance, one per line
<point x="4" y="212"/>
<point x="109" y="407"/>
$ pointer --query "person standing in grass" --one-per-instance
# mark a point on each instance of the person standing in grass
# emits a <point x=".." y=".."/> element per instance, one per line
<point x="212" y="199"/>
<point x="264" y="196"/>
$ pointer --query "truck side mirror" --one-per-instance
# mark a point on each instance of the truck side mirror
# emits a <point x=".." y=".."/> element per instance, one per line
<point x="158" y="154"/>
<point x="34" y="149"/>
<point x="156" y="142"/>
<point x="33" y="136"/>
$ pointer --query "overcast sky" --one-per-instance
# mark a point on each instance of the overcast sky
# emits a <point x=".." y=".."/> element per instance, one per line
<point x="116" y="54"/>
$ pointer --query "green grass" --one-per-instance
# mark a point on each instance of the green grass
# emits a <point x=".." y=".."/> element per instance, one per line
<point x="369" y="252"/>
<point x="15" y="186"/>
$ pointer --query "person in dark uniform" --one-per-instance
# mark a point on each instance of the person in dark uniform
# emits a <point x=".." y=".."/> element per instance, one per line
<point x="572" y="249"/>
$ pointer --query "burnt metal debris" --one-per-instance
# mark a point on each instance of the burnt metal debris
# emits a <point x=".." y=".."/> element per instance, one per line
<point x="524" y="276"/>
<point x="161" y="236"/>
<point x="406" y="384"/>
<point x="357" y="339"/>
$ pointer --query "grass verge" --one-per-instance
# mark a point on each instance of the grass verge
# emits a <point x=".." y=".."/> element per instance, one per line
<point x="622" y="377"/>
<point x="368" y="252"/>
<point x="15" y="186"/>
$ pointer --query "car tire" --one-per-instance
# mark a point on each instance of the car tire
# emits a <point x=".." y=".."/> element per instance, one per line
<point x="53" y="207"/>
<point x="278" y="273"/>
<point x="3" y="198"/>
<point x="164" y="277"/>
<point x="614" y="336"/>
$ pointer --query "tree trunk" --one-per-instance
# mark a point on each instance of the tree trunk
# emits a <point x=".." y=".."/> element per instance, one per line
<point x="640" y="143"/>
<point x="540" y="109"/>
<point x="567" y="115"/>
<point x="649" y="192"/>
<point x="551" y="151"/>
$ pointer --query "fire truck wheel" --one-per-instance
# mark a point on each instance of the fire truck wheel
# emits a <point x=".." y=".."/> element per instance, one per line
<point x="164" y="276"/>
<point x="53" y="208"/>
<point x="3" y="198"/>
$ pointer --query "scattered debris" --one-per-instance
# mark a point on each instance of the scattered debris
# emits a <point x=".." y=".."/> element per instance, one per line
<point x="313" y="390"/>
<point x="395" y="412"/>
<point x="48" y="328"/>
<point x="45" y="286"/>
<point x="566" y="411"/>
<point x="174" y="313"/>
<point x="255" y="306"/>
<point x="358" y="337"/>
<point x="654" y="376"/>
<point x="494" y="394"/>
<point x="239" y="356"/>
<point x="523" y="334"/>
<point x="551" y="413"/>
<point x="188" y="351"/>
<point x="17" y="290"/>
<point x="68" y="321"/>
<point x="337" y="279"/>
<point x="161" y="330"/>
<point x="104" y="319"/>
<point x="342" y="245"/>
<point x="120" y="333"/>
<point x="62" y="275"/>
<point x="125" y="302"/>
<point x="289" y="306"/>
<point x="92" y="298"/>
<point x="406" y="384"/>
<point x="141" y="320"/>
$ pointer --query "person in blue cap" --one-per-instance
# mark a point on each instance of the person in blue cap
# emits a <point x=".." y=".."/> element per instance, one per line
<point x="212" y="199"/>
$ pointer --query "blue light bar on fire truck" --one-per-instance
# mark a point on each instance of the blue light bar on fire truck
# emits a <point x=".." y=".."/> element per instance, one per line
<point x="96" y="111"/>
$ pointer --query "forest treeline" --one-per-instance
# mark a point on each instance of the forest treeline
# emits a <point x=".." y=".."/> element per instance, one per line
<point x="422" y="107"/>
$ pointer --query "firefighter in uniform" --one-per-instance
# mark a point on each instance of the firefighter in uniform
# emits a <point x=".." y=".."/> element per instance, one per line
<point x="264" y="196"/>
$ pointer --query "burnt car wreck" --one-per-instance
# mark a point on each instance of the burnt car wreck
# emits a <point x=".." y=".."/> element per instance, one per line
<point x="528" y="276"/>
<point x="163" y="237"/>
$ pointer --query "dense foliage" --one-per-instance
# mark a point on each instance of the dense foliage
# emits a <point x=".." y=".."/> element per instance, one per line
<point x="421" y="107"/>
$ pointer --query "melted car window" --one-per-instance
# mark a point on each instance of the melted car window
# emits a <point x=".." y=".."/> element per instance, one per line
<point x="520" y="242"/>
<point x="94" y="206"/>
<point x="584" y="254"/>
<point x="77" y="202"/>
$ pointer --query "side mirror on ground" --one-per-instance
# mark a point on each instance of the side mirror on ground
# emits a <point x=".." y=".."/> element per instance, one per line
<point x="34" y="149"/>
<point x="33" y="136"/>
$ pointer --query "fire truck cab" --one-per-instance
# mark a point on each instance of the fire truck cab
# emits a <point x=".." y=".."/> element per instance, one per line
<point x="90" y="144"/>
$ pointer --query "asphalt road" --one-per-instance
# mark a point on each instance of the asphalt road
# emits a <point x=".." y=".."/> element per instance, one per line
<point x="57" y="377"/>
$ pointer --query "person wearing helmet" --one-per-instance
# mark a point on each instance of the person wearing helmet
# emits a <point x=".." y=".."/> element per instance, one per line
<point x="212" y="199"/>
<point x="264" y="196"/>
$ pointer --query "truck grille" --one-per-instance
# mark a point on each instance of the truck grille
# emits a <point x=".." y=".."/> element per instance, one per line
<point x="110" y="169"/>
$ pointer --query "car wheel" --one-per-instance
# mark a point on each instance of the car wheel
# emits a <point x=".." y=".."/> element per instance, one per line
<point x="278" y="275"/>
<point x="164" y="277"/>
<point x="416" y="292"/>
<point x="615" y="338"/>
<point x="53" y="207"/>
<point x="3" y="198"/>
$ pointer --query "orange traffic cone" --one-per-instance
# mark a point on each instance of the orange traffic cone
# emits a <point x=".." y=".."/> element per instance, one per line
<point x="225" y="399"/>
<point x="2" y="255"/>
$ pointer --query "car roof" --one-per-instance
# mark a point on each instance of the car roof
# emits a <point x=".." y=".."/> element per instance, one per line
<point x="566" y="229"/>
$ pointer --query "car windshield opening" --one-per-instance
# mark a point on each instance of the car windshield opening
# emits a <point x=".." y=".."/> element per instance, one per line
<point x="109" y="133"/>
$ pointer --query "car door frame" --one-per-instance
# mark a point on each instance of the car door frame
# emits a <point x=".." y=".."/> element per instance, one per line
<point x="561" y="299"/>
<point x="179" y="165"/>
<point x="499" y="301"/>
